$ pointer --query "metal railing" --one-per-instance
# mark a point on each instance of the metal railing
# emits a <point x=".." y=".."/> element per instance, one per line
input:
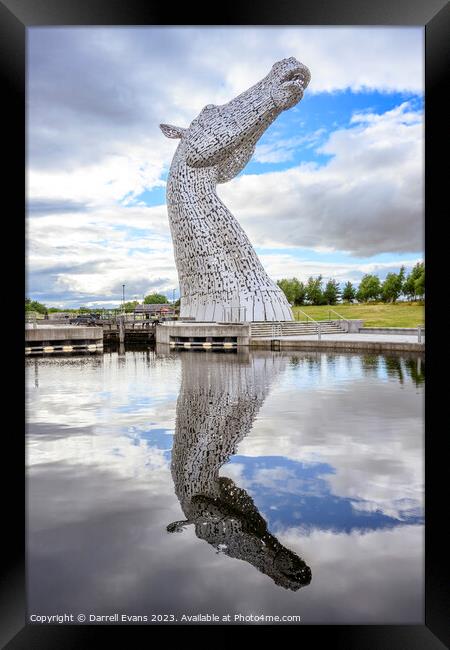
<point x="277" y="329"/>
<point x="340" y="317"/>
<point x="318" y="328"/>
<point x="335" y="312"/>
<point x="307" y="315"/>
<point x="130" y="317"/>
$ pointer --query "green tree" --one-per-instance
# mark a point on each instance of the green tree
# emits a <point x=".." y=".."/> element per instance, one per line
<point x="299" y="292"/>
<point x="369" y="288"/>
<point x="155" y="299"/>
<point x="419" y="285"/>
<point x="294" y="290"/>
<point x="349" y="292"/>
<point x="409" y="287"/>
<point x="130" y="306"/>
<point x="34" y="305"/>
<point x="331" y="292"/>
<point x="314" y="292"/>
<point x="392" y="287"/>
<point x="288" y="289"/>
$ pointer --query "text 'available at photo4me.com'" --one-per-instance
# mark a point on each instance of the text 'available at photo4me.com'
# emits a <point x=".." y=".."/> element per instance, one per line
<point x="124" y="619"/>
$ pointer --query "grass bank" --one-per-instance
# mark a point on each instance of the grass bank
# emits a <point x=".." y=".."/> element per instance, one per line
<point x="402" y="314"/>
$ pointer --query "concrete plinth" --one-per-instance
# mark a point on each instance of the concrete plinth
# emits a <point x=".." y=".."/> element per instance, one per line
<point x="62" y="333"/>
<point x="44" y="339"/>
<point x="189" y="334"/>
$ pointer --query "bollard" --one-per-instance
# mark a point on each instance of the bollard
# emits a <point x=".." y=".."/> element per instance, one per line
<point x="319" y="333"/>
<point x="121" y="326"/>
<point x="419" y="334"/>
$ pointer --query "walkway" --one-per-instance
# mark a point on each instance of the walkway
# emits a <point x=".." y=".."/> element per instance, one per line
<point x="357" y="341"/>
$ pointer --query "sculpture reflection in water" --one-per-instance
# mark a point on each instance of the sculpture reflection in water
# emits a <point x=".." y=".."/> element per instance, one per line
<point x="218" y="402"/>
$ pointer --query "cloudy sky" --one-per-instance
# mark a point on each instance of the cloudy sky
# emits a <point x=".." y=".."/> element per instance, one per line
<point x="335" y="185"/>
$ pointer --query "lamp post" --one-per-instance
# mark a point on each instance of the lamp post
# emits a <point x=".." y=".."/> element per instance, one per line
<point x="123" y="297"/>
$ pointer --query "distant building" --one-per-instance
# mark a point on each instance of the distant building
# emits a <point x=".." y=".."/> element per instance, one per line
<point x="155" y="310"/>
<point x="59" y="315"/>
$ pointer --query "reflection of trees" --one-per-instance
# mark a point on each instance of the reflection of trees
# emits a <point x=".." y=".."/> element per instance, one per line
<point x="397" y="365"/>
<point x="394" y="367"/>
<point x="416" y="369"/>
<point x="411" y="366"/>
<point x="218" y="402"/>
<point x="294" y="361"/>
<point x="308" y="360"/>
<point x="370" y="363"/>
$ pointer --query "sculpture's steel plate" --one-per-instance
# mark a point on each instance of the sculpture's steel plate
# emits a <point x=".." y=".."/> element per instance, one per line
<point x="220" y="275"/>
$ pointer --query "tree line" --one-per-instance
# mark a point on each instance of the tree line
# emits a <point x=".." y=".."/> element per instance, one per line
<point x="312" y="292"/>
<point x="370" y="288"/>
<point x="40" y="308"/>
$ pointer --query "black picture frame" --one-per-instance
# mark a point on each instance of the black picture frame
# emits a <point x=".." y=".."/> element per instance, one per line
<point x="434" y="15"/>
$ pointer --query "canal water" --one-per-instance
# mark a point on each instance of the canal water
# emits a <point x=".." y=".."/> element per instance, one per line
<point x="167" y="485"/>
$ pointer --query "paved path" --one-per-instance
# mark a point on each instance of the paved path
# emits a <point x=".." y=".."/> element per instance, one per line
<point x="376" y="342"/>
<point x="382" y="338"/>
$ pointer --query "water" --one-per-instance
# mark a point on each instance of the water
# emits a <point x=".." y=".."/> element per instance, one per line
<point x="186" y="483"/>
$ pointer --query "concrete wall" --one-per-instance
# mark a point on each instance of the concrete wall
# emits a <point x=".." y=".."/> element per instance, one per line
<point x="411" y="331"/>
<point x="341" y="345"/>
<point x="177" y="328"/>
<point x="349" y="326"/>
<point x="62" y="333"/>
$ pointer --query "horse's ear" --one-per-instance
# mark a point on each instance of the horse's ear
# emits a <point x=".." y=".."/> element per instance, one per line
<point x="172" y="131"/>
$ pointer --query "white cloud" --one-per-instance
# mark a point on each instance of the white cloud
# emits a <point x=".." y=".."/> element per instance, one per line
<point x="81" y="258"/>
<point x="367" y="199"/>
<point x="101" y="92"/>
<point x="288" y="266"/>
<point x="96" y="97"/>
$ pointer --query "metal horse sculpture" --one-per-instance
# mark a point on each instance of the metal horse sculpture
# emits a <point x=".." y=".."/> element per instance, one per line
<point x="218" y="269"/>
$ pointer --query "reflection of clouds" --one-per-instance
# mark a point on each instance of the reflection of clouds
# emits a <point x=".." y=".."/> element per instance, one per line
<point x="67" y="492"/>
<point x="346" y="410"/>
<point x="235" y="471"/>
<point x="116" y="453"/>
<point x="370" y="431"/>
<point x="109" y="408"/>
<point x="302" y="491"/>
<point x="88" y="391"/>
<point x="99" y="541"/>
<point x="369" y="558"/>
<point x="400" y="509"/>
<point x="100" y="492"/>
<point x="285" y="480"/>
